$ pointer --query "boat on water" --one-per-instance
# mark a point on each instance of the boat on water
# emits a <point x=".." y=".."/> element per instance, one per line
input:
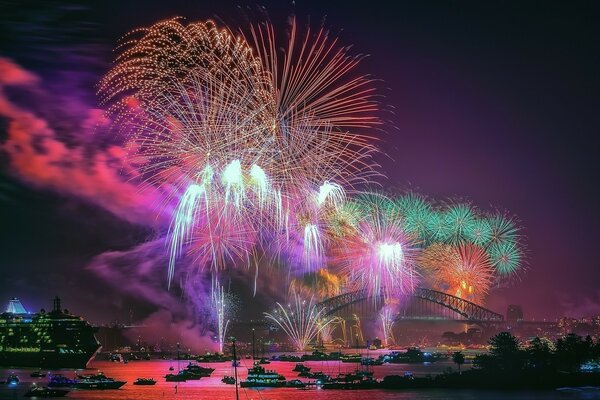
<point x="259" y="377"/>
<point x="296" y="383"/>
<point x="351" y="358"/>
<point x="319" y="376"/>
<point x="12" y="380"/>
<point x="98" y="382"/>
<point x="365" y="383"/>
<point x="228" y="380"/>
<point x="195" y="369"/>
<point x="213" y="357"/>
<point x="301" y="368"/>
<point x="412" y="355"/>
<point x="61" y="381"/>
<point x="144" y="382"/>
<point x="55" y="339"/>
<point x="38" y="374"/>
<point x="178" y="377"/>
<point x="368" y="361"/>
<point x="45" y="392"/>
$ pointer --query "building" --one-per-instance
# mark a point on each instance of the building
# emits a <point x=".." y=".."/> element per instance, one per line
<point x="514" y="314"/>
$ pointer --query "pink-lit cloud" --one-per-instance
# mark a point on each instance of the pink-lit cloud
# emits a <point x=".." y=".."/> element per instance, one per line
<point x="46" y="157"/>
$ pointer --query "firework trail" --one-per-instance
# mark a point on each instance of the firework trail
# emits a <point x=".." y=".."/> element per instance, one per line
<point x="220" y="308"/>
<point x="387" y="316"/>
<point x="356" y="330"/>
<point x="301" y="320"/>
<point x="327" y="327"/>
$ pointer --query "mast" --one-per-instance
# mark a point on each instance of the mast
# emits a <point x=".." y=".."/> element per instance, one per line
<point x="178" y="357"/>
<point x="253" y="346"/>
<point x="237" y="395"/>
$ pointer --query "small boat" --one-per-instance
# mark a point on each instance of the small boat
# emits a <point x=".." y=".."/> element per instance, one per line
<point x="301" y="368"/>
<point x="195" y="369"/>
<point x="264" y="361"/>
<point x="171" y="368"/>
<point x="259" y="377"/>
<point x="228" y="380"/>
<point x="40" y="391"/>
<point x="38" y="374"/>
<point x="180" y="377"/>
<point x="12" y="380"/>
<point x="144" y="382"/>
<point x="98" y="382"/>
<point x="296" y="383"/>
<point x="61" y="381"/>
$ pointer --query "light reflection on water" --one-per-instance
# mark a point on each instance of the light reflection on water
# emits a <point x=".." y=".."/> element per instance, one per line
<point x="212" y="388"/>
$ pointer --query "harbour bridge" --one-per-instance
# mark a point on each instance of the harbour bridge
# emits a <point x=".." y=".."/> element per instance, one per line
<point x="422" y="304"/>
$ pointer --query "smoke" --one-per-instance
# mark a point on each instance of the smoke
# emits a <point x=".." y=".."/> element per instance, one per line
<point x="581" y="306"/>
<point x="141" y="272"/>
<point x="68" y="150"/>
<point x="163" y="325"/>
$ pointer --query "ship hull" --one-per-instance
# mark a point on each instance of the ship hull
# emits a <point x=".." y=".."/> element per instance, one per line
<point x="45" y="360"/>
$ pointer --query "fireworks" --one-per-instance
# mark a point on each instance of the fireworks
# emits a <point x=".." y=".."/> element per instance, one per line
<point x="323" y="284"/>
<point x="379" y="256"/>
<point x="505" y="257"/>
<point x="464" y="271"/>
<point x="259" y="145"/>
<point x="219" y="304"/>
<point x="387" y="316"/>
<point x="302" y="320"/>
<point x="224" y="126"/>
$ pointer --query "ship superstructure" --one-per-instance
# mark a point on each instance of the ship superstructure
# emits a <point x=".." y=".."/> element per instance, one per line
<point x="55" y="339"/>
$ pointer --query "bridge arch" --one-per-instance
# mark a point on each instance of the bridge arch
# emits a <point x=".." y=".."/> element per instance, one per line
<point x="468" y="311"/>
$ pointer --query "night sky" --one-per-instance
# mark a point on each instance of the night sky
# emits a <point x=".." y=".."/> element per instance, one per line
<point x="496" y="103"/>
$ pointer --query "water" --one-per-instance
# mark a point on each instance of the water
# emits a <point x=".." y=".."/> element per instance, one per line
<point x="213" y="389"/>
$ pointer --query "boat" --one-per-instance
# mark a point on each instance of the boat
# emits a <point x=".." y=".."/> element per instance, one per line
<point x="264" y="361"/>
<point x="171" y="368"/>
<point x="144" y="382"/>
<point x="412" y="355"/>
<point x="38" y="374"/>
<point x="53" y="340"/>
<point x="61" y="381"/>
<point x="301" y="368"/>
<point x="319" y="376"/>
<point x="351" y="358"/>
<point x="295" y="383"/>
<point x="368" y="361"/>
<point x="195" y="369"/>
<point x="98" y="382"/>
<point x="259" y="377"/>
<point x="363" y="383"/>
<point x="40" y="391"/>
<point x="228" y="380"/>
<point x="213" y="357"/>
<point x="179" y="377"/>
<point x="12" y="380"/>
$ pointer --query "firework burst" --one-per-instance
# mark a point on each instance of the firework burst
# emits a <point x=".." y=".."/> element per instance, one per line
<point x="464" y="271"/>
<point x="302" y="320"/>
<point x="380" y="256"/>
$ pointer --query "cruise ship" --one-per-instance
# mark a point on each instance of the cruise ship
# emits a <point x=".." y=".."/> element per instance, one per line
<point x="55" y="339"/>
